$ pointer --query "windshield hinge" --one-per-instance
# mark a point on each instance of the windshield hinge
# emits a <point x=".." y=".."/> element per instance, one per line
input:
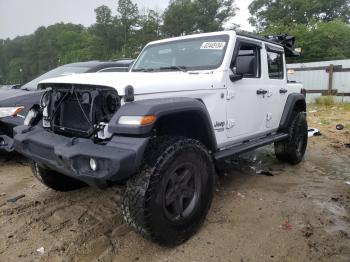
<point x="230" y="95"/>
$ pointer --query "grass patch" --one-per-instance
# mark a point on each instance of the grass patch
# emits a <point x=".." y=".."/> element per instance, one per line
<point x="325" y="122"/>
<point x="325" y="101"/>
<point x="346" y="106"/>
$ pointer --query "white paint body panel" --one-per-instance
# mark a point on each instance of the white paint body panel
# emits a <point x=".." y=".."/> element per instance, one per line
<point x="244" y="113"/>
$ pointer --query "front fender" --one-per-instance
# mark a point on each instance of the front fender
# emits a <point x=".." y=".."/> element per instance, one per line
<point x="160" y="108"/>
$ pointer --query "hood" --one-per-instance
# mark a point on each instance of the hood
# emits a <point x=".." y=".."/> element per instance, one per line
<point x="145" y="82"/>
<point x="18" y="97"/>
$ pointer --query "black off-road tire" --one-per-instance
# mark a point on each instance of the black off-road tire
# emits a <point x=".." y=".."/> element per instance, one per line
<point x="55" y="180"/>
<point x="147" y="196"/>
<point x="293" y="149"/>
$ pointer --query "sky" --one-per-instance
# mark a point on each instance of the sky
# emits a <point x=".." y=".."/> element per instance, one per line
<point x="23" y="17"/>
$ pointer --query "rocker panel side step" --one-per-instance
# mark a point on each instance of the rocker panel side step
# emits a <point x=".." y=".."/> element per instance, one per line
<point x="250" y="145"/>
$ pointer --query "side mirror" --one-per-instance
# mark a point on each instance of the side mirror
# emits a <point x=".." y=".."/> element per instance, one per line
<point x="18" y="86"/>
<point x="234" y="76"/>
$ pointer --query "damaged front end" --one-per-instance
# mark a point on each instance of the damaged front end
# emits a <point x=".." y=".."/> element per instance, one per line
<point x="79" y="111"/>
<point x="74" y="133"/>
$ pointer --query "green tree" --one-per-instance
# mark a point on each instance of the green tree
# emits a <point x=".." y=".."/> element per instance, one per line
<point x="149" y="24"/>
<point x="104" y="33"/>
<point x="179" y="18"/>
<point x="189" y="16"/>
<point x="128" y="15"/>
<point x="319" y="41"/>
<point x="212" y="14"/>
<point x="266" y="13"/>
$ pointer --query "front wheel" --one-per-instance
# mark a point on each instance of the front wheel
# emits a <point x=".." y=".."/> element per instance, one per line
<point x="293" y="149"/>
<point x="169" y="199"/>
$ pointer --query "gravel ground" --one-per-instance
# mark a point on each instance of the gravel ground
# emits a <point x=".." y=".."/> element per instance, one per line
<point x="288" y="213"/>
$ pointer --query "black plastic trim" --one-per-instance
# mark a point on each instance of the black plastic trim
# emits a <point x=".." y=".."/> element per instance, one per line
<point x="257" y="37"/>
<point x="117" y="160"/>
<point x="6" y="144"/>
<point x="289" y="107"/>
<point x="250" y="145"/>
<point x="160" y="108"/>
<point x="271" y="48"/>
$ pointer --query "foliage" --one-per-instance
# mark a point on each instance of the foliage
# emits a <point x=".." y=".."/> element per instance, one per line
<point x="313" y="22"/>
<point x="321" y="27"/>
<point x="325" y="101"/>
<point x="184" y="17"/>
<point x="28" y="56"/>
<point x="266" y="13"/>
<point x="123" y="35"/>
<point x="319" y="41"/>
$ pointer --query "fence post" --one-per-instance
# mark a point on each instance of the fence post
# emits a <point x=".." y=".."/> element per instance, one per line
<point x="330" y="79"/>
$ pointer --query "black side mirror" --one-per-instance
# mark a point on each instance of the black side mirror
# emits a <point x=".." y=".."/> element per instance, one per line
<point x="18" y="86"/>
<point x="234" y="76"/>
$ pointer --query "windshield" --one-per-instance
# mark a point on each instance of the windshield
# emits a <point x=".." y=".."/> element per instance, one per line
<point x="202" y="53"/>
<point x="57" y="72"/>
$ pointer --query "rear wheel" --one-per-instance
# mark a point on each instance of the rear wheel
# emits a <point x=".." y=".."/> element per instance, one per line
<point x="55" y="180"/>
<point x="169" y="199"/>
<point x="293" y="149"/>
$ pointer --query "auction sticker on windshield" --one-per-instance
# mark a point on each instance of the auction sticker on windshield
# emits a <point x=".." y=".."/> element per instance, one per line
<point x="213" y="45"/>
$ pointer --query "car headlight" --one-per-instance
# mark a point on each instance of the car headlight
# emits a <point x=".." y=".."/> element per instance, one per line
<point x="10" y="111"/>
<point x="136" y="120"/>
<point x="34" y="116"/>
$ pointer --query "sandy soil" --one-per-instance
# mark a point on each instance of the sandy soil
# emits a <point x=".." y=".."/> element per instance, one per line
<point x="298" y="213"/>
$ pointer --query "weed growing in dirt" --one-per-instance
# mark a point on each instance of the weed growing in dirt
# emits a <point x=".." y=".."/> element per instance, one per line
<point x="325" y="100"/>
<point x="325" y="122"/>
<point x="346" y="106"/>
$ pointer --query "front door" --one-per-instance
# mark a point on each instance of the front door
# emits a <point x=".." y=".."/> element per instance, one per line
<point x="246" y="97"/>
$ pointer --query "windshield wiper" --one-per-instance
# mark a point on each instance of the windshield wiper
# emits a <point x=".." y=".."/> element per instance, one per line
<point x="180" y="68"/>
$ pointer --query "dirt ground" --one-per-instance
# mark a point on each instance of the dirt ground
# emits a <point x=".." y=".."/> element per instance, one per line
<point x="287" y="213"/>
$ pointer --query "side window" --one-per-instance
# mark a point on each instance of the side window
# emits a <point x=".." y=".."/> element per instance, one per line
<point x="275" y="63"/>
<point x="247" y="62"/>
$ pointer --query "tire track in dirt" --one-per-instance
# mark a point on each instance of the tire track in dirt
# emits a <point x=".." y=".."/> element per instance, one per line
<point x="85" y="215"/>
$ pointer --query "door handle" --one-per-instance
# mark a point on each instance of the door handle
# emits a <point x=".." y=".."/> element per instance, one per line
<point x="283" y="91"/>
<point x="261" y="92"/>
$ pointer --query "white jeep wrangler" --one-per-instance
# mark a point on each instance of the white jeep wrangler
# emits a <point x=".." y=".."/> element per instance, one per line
<point x="186" y="104"/>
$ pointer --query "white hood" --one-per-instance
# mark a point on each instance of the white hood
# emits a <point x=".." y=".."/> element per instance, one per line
<point x="145" y="83"/>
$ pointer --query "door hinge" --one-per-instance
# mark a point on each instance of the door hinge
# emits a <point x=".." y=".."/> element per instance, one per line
<point x="268" y="119"/>
<point x="230" y="123"/>
<point x="230" y="95"/>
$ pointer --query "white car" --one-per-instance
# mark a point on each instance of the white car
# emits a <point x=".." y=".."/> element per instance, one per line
<point x="186" y="104"/>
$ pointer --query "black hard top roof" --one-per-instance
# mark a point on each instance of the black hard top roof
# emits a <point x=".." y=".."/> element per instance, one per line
<point x="257" y="37"/>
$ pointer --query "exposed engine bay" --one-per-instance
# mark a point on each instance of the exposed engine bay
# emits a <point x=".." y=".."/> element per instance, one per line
<point x="78" y="110"/>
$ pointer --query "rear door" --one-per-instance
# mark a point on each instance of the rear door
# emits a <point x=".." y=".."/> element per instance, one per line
<point x="244" y="101"/>
<point x="277" y="85"/>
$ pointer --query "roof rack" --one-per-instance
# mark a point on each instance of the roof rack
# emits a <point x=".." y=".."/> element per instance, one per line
<point x="287" y="42"/>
